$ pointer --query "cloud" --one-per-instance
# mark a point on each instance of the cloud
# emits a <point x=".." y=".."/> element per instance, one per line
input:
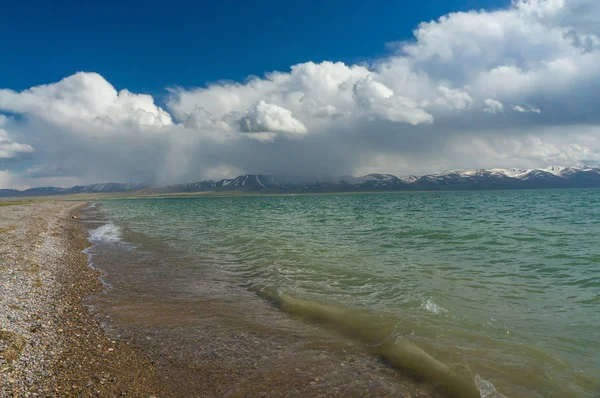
<point x="453" y="98"/>
<point x="529" y="109"/>
<point x="12" y="150"/>
<point x="13" y="180"/>
<point x="9" y="149"/>
<point x="86" y="98"/>
<point x="467" y="91"/>
<point x="528" y="150"/>
<point x="380" y="101"/>
<point x="493" y="106"/>
<point x="270" y="118"/>
<point x="316" y="109"/>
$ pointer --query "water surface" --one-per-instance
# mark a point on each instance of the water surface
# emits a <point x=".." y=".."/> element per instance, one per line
<point x="467" y="292"/>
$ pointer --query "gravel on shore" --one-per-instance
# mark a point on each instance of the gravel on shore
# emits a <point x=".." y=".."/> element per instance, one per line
<point x="50" y="344"/>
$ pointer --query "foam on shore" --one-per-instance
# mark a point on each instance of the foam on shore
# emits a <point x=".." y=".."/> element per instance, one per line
<point x="108" y="233"/>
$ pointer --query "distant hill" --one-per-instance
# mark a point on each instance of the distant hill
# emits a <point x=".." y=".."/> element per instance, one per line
<point x="94" y="188"/>
<point x="483" y="179"/>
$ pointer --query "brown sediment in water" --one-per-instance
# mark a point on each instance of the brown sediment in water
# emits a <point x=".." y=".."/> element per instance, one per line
<point x="377" y="332"/>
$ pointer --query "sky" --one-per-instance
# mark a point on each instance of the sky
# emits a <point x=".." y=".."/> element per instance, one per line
<point x="177" y="91"/>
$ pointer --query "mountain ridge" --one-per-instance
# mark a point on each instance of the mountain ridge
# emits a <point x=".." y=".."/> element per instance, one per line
<point x="582" y="176"/>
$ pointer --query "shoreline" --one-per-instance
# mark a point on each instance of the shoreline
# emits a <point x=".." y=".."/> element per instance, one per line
<point x="210" y="340"/>
<point x="50" y="342"/>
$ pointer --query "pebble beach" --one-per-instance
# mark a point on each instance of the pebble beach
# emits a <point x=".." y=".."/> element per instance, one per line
<point x="50" y="343"/>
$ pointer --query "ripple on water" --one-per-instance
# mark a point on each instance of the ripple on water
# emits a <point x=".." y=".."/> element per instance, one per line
<point x="526" y="259"/>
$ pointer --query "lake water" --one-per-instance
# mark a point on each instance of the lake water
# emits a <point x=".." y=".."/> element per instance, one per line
<point x="461" y="294"/>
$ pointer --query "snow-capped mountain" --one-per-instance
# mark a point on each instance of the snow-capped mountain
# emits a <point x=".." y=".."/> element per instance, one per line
<point x="584" y="176"/>
<point x="551" y="177"/>
<point x="243" y="182"/>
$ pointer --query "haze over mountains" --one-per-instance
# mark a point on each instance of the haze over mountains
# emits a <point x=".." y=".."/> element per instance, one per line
<point x="583" y="176"/>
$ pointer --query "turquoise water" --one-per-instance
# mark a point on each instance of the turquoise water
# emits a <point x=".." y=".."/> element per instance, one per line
<point x="458" y="288"/>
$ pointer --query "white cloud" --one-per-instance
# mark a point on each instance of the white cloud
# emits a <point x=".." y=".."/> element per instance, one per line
<point x="367" y="90"/>
<point x="529" y="109"/>
<point x="270" y="118"/>
<point x="416" y="109"/>
<point x="326" y="85"/>
<point x="493" y="106"/>
<point x="312" y="91"/>
<point x="9" y="149"/>
<point x="88" y="98"/>
<point x="315" y="108"/>
<point x="453" y="98"/>
<point x="379" y="100"/>
<point x="527" y="151"/>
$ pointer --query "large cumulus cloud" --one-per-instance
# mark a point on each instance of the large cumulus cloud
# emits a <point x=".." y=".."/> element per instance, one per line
<point x="516" y="87"/>
<point x="9" y="149"/>
<point x="85" y="98"/>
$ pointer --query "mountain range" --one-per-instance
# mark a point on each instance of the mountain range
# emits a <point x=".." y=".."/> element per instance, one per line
<point x="483" y="179"/>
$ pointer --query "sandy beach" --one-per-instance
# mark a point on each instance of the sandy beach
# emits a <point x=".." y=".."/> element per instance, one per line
<point x="50" y="344"/>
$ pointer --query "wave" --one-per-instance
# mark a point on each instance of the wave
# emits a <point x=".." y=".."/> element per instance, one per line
<point x="108" y="233"/>
<point x="379" y="333"/>
<point x="432" y="307"/>
<point x="486" y="389"/>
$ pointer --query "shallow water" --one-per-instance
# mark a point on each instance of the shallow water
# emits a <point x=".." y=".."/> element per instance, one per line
<point x="464" y="291"/>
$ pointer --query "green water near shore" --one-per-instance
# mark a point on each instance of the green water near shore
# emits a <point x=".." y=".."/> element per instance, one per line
<point x="457" y="288"/>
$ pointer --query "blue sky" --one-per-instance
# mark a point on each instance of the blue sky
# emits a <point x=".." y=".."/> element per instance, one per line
<point x="147" y="46"/>
<point x="159" y="93"/>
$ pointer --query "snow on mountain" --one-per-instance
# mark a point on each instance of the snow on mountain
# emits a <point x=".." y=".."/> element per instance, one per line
<point x="556" y="170"/>
<point x="581" y="176"/>
<point x="559" y="171"/>
<point x="515" y="173"/>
